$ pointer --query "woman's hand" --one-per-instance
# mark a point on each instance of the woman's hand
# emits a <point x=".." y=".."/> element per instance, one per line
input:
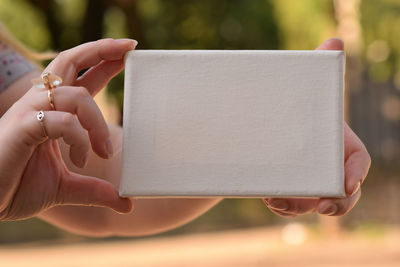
<point x="356" y="166"/>
<point x="33" y="176"/>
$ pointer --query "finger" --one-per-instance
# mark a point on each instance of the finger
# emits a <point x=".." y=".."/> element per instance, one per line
<point x="77" y="100"/>
<point x="294" y="206"/>
<point x="338" y="207"/>
<point x="332" y="44"/>
<point x="65" y="125"/>
<point x="98" y="76"/>
<point x="357" y="161"/>
<point x="60" y="124"/>
<point x="284" y="214"/>
<point x="69" y="62"/>
<point x="76" y="189"/>
<point x="277" y="212"/>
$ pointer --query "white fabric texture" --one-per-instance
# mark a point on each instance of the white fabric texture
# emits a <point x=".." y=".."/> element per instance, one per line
<point x="233" y="123"/>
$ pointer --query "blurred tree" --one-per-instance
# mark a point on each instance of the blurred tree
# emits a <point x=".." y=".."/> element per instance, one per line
<point x="304" y="24"/>
<point x="32" y="29"/>
<point x="379" y="124"/>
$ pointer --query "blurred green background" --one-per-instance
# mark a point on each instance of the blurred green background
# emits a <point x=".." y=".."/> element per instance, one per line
<point x="369" y="28"/>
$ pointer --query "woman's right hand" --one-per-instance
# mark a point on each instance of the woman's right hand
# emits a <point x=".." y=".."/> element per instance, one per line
<point x="33" y="176"/>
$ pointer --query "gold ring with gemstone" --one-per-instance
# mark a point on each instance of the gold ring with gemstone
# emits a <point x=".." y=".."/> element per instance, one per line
<point x="40" y="118"/>
<point x="47" y="81"/>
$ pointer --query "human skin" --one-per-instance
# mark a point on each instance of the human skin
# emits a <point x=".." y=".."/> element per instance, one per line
<point x="29" y="160"/>
<point x="69" y="196"/>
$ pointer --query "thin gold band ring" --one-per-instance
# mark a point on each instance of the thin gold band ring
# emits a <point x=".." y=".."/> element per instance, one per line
<point x="40" y="118"/>
<point x="51" y="98"/>
<point x="48" y="81"/>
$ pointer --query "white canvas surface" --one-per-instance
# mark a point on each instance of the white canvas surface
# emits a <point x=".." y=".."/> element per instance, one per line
<point x="233" y="123"/>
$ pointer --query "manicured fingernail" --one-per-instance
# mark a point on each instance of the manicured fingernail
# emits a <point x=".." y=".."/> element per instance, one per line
<point x="85" y="160"/>
<point x="129" y="207"/>
<point x="109" y="147"/>
<point x="329" y="210"/>
<point x="128" y="41"/>
<point x="356" y="187"/>
<point x="278" y="204"/>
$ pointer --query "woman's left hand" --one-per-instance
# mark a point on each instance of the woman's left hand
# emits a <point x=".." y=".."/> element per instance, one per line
<point x="356" y="166"/>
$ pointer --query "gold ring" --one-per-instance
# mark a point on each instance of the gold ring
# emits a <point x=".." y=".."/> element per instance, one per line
<point x="40" y="118"/>
<point x="51" y="99"/>
<point x="46" y="81"/>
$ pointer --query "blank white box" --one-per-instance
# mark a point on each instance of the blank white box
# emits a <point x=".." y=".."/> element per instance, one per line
<point x="205" y="123"/>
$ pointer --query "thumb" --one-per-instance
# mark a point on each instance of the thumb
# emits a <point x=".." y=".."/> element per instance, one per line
<point x="331" y="44"/>
<point x="81" y="190"/>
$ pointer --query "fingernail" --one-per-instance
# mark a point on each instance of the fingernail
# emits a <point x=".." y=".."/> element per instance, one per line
<point x="278" y="204"/>
<point x="128" y="41"/>
<point x="85" y="160"/>
<point x="356" y="187"/>
<point x="329" y="210"/>
<point x="127" y="209"/>
<point x="109" y="147"/>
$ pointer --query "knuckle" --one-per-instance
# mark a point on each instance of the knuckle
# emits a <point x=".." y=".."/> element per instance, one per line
<point x="81" y="92"/>
<point x="58" y="60"/>
<point x="33" y="132"/>
<point x="68" y="120"/>
<point x="62" y="55"/>
<point x="84" y="145"/>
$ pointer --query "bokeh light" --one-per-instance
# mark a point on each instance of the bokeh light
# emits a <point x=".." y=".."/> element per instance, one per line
<point x="378" y="51"/>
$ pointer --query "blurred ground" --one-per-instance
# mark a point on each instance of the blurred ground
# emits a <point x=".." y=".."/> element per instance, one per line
<point x="293" y="245"/>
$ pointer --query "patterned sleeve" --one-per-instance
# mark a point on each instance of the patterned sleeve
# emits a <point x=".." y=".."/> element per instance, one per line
<point x="12" y="66"/>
